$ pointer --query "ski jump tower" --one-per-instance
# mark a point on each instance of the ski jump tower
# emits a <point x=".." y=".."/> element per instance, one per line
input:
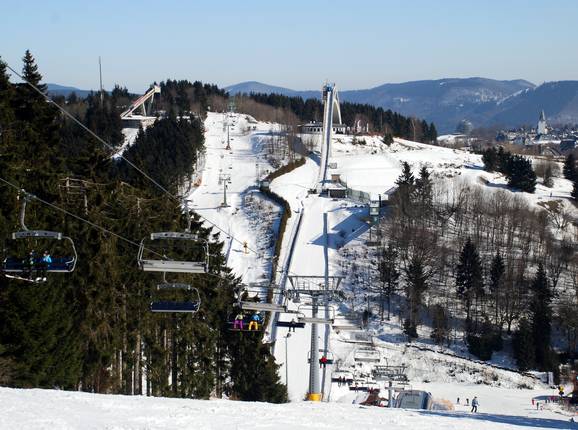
<point x="145" y="119"/>
<point x="331" y="115"/>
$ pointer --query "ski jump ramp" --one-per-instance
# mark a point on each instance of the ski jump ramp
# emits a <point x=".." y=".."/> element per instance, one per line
<point x="331" y="113"/>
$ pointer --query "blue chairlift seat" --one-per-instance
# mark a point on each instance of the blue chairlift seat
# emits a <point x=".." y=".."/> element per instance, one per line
<point x="290" y="324"/>
<point x="175" y="307"/>
<point x="18" y="265"/>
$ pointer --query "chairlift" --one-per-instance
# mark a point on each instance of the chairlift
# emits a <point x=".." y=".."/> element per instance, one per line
<point x="368" y="355"/>
<point x="323" y="353"/>
<point x="167" y="265"/>
<point x="316" y="320"/>
<point x="290" y="324"/>
<point x="22" y="268"/>
<point x="189" y="306"/>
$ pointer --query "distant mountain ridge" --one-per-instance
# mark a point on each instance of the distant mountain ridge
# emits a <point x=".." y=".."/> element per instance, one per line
<point x="484" y="102"/>
<point x="62" y="90"/>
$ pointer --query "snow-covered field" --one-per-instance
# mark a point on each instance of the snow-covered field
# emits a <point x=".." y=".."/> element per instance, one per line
<point x="49" y="409"/>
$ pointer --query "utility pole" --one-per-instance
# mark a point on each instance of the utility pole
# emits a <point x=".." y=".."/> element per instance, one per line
<point x="100" y="73"/>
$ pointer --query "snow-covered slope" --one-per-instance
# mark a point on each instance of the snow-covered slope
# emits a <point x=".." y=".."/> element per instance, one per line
<point x="49" y="409"/>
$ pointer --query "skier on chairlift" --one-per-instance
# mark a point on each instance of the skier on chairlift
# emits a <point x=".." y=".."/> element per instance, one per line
<point x="30" y="263"/>
<point x="238" y="324"/>
<point x="256" y="319"/>
<point x="292" y="326"/>
<point x="323" y="361"/>
<point x="45" y="265"/>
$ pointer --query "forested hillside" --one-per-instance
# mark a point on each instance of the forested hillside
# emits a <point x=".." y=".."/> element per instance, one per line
<point x="91" y="330"/>
<point x="382" y="121"/>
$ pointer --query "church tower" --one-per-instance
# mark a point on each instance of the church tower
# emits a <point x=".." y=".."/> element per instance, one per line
<point x="542" y="126"/>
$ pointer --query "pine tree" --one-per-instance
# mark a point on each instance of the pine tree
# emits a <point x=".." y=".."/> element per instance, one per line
<point x="541" y="318"/>
<point x="469" y="281"/>
<point x="424" y="192"/>
<point x="569" y="169"/>
<point x="520" y="174"/>
<point x="523" y="343"/>
<point x="495" y="283"/>
<point x="433" y="133"/>
<point x="389" y="276"/>
<point x="405" y="190"/>
<point x="30" y="72"/>
<point x="416" y="285"/>
<point x="490" y="160"/>
<point x="387" y="139"/>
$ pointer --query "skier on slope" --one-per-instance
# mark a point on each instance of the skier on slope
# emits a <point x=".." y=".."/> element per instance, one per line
<point x="475" y="404"/>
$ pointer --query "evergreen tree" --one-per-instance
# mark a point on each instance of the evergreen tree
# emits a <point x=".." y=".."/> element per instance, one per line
<point x="416" y="285"/>
<point x="469" y="282"/>
<point x="433" y="133"/>
<point x="520" y="174"/>
<point x="569" y="169"/>
<point x="405" y="190"/>
<point x="424" y="192"/>
<point x="387" y="139"/>
<point x="490" y="160"/>
<point x="541" y="318"/>
<point x="389" y="276"/>
<point x="523" y="344"/>
<point x="30" y="72"/>
<point x="495" y="284"/>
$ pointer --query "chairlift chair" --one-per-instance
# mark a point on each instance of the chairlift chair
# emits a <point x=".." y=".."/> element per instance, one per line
<point x="369" y="355"/>
<point x="165" y="306"/>
<point x="290" y="324"/>
<point x="16" y="267"/>
<point x="316" y="320"/>
<point x="328" y="354"/>
<point x="173" y="266"/>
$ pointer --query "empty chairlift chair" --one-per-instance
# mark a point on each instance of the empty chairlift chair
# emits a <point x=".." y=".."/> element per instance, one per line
<point x="191" y="305"/>
<point x="325" y="315"/>
<point x="167" y="265"/>
<point x="367" y="355"/>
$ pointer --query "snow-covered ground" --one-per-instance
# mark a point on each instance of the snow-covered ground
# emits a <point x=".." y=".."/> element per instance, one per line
<point x="366" y="164"/>
<point x="50" y="409"/>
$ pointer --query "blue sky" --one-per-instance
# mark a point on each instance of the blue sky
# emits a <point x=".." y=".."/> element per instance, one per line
<point x="296" y="44"/>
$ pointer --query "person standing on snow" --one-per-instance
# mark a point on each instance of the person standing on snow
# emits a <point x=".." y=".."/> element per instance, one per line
<point x="475" y="404"/>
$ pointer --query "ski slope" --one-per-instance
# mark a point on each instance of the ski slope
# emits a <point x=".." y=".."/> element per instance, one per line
<point x="240" y="164"/>
<point x="50" y="409"/>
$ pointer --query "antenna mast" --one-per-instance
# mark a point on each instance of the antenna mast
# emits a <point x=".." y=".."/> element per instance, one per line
<point x="100" y="72"/>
